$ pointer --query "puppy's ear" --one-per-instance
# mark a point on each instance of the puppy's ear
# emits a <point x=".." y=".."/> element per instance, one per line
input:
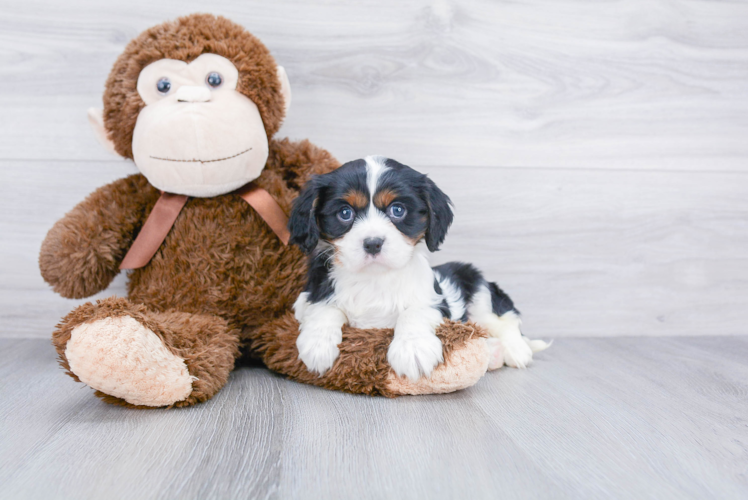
<point x="440" y="214"/>
<point x="303" y="221"/>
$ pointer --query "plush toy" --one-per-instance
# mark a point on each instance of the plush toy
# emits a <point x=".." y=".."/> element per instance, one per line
<point x="196" y="103"/>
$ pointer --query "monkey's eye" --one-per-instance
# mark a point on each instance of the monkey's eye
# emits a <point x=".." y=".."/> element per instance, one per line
<point x="345" y="214"/>
<point x="163" y="86"/>
<point x="214" y="80"/>
<point x="397" y="211"/>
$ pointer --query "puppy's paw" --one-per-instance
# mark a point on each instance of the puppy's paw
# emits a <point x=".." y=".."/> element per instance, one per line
<point x="415" y="355"/>
<point x="517" y="353"/>
<point x="318" y="350"/>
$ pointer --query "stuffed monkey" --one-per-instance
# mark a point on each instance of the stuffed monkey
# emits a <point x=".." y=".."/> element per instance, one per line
<point x="195" y="103"/>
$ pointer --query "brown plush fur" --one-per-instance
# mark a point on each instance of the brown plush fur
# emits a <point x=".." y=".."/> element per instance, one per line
<point x="186" y="39"/>
<point x="222" y="280"/>
<point x="362" y="366"/>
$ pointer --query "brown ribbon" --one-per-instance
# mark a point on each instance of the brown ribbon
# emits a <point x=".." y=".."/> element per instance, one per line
<point x="266" y="206"/>
<point x="154" y="231"/>
<point x="167" y="209"/>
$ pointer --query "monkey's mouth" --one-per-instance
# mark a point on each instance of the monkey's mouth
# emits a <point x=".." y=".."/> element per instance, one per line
<point x="202" y="161"/>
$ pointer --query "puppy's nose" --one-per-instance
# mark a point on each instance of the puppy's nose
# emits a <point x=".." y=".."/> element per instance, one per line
<point x="373" y="245"/>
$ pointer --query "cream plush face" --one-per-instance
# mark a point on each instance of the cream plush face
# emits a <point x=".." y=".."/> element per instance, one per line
<point x="197" y="135"/>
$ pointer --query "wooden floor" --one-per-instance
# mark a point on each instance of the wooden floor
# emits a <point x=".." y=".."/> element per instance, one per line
<point x="631" y="418"/>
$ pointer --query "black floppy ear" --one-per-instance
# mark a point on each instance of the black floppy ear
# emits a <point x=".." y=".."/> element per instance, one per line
<point x="440" y="214"/>
<point x="303" y="221"/>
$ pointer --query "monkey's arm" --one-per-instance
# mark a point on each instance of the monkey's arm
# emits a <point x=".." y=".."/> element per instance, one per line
<point x="81" y="254"/>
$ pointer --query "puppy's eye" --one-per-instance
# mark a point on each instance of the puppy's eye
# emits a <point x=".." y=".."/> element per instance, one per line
<point x="163" y="86"/>
<point x="214" y="79"/>
<point x="345" y="214"/>
<point x="397" y="211"/>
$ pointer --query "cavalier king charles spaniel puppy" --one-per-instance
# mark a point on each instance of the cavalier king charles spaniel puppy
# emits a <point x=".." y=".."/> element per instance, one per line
<point x="368" y="228"/>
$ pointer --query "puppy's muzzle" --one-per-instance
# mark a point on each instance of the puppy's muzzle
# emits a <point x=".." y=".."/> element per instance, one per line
<point x="373" y="246"/>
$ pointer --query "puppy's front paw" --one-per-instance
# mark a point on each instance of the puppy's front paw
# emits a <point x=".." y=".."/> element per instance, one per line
<point x="517" y="353"/>
<point x="319" y="350"/>
<point x="415" y="355"/>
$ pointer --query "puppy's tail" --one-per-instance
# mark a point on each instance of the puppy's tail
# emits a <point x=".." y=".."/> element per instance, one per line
<point x="537" y="345"/>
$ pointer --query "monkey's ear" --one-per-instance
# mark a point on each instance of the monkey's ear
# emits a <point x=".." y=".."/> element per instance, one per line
<point x="96" y="119"/>
<point x="303" y="220"/>
<point x="285" y="88"/>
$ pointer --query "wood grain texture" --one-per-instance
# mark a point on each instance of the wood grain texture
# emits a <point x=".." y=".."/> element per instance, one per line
<point x="592" y="418"/>
<point x="582" y="252"/>
<point x="650" y="84"/>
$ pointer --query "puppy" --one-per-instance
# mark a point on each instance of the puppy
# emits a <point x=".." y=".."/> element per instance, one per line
<point x="369" y="227"/>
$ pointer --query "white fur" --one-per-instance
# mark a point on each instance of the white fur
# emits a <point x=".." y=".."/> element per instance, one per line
<point x="320" y="332"/>
<point x="402" y="299"/>
<point x="375" y="167"/>
<point x="517" y="349"/>
<point x="396" y="253"/>
<point x="375" y="299"/>
<point x="416" y="350"/>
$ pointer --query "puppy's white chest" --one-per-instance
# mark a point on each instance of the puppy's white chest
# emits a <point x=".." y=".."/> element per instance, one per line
<point x="376" y="301"/>
<point x="369" y="307"/>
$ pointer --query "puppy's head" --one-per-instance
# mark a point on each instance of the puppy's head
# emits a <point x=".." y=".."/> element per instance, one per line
<point x="372" y="213"/>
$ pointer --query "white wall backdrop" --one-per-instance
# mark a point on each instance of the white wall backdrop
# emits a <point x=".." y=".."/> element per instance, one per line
<point x="596" y="151"/>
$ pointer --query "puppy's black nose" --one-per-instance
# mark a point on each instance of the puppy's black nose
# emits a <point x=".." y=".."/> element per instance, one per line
<point x="373" y="245"/>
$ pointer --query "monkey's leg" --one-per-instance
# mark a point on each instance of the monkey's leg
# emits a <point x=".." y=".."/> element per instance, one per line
<point x="139" y="358"/>
<point x="362" y="366"/>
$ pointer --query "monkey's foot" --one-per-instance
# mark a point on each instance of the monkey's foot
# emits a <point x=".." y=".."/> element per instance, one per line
<point x="121" y="357"/>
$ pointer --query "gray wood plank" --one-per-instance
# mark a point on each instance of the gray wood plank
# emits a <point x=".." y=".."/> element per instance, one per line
<point x="582" y="252"/>
<point x="591" y="418"/>
<point x="643" y="84"/>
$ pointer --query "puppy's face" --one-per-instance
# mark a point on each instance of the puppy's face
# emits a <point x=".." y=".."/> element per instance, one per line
<point x="372" y="212"/>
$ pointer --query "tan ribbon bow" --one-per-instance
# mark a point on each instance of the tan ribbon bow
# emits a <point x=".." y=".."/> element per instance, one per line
<point x="167" y="209"/>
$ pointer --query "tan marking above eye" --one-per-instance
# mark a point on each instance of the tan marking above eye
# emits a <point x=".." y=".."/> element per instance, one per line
<point x="356" y="199"/>
<point x="384" y="197"/>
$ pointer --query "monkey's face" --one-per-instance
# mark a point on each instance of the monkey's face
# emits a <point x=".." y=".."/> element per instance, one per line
<point x="197" y="135"/>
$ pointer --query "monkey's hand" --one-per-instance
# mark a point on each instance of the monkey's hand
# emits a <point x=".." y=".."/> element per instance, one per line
<point x="81" y="254"/>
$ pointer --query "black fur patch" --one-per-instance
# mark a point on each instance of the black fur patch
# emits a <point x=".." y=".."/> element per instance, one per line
<point x="303" y="220"/>
<point x="429" y="212"/>
<point x="337" y="184"/>
<point x="437" y="287"/>
<point x="315" y="211"/>
<point x="443" y="307"/>
<point x="407" y="186"/>
<point x="466" y="277"/>
<point x="500" y="301"/>
<point x="319" y="285"/>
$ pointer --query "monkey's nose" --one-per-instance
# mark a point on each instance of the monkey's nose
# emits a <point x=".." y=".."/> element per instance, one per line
<point x="193" y="93"/>
<point x="373" y="246"/>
